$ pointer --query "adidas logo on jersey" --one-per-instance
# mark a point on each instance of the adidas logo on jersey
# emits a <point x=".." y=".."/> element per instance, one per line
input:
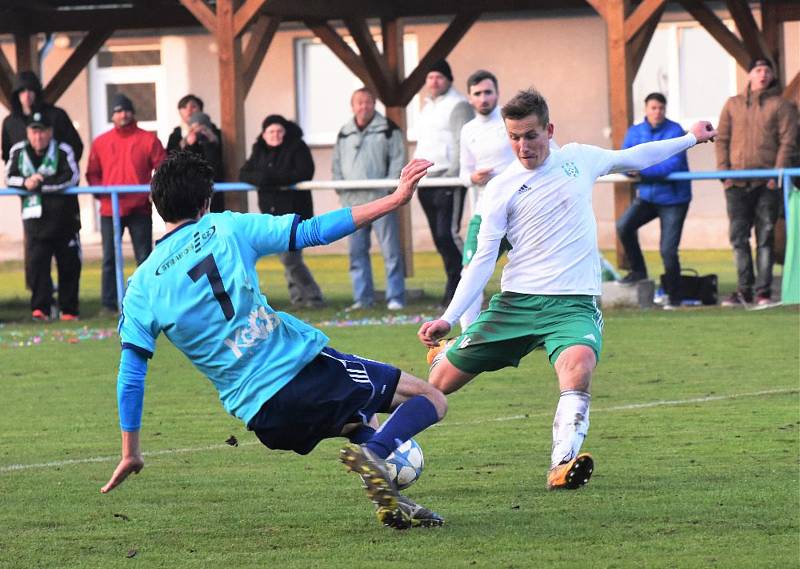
<point x="523" y="188"/>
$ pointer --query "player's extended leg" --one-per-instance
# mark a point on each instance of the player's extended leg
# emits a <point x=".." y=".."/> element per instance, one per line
<point x="568" y="468"/>
<point x="416" y="405"/>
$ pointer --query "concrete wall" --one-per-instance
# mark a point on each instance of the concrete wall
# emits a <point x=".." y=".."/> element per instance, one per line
<point x="563" y="56"/>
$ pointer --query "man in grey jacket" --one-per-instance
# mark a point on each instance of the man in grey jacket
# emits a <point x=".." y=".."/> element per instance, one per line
<point x="370" y="146"/>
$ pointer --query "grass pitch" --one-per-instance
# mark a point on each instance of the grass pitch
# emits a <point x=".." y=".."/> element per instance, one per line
<point x="694" y="428"/>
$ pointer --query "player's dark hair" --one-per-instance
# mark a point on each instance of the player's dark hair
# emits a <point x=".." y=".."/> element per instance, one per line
<point x="526" y="103"/>
<point x="655" y="97"/>
<point x="186" y="99"/>
<point x="480" y="75"/>
<point x="181" y="186"/>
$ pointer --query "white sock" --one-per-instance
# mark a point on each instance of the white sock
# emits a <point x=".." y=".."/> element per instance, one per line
<point x="471" y="313"/>
<point x="570" y="425"/>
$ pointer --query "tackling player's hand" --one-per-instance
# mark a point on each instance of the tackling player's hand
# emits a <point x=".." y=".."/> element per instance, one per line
<point x="431" y="332"/>
<point x="410" y="176"/>
<point x="128" y="465"/>
<point x="703" y="131"/>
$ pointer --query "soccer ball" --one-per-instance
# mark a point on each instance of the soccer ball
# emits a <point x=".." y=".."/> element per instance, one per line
<point x="405" y="464"/>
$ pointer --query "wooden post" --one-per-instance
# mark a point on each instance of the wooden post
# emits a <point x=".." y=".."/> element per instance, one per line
<point x="620" y="77"/>
<point x="231" y="94"/>
<point x="392" y="32"/>
<point x="27" y="54"/>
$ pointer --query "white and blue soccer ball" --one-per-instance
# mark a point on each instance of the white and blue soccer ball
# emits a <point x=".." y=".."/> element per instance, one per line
<point x="405" y="464"/>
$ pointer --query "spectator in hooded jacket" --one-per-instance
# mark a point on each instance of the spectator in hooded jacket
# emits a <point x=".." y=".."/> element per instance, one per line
<point x="126" y="154"/>
<point x="757" y="129"/>
<point x="667" y="201"/>
<point x="280" y="158"/>
<point x="51" y="221"/>
<point x="200" y="136"/>
<point x="27" y="99"/>
<point x="371" y="146"/>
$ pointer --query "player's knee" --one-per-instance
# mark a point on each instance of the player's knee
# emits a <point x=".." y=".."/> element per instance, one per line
<point x="439" y="401"/>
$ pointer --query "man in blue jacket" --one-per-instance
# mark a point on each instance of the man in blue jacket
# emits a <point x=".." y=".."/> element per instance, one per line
<point x="668" y="201"/>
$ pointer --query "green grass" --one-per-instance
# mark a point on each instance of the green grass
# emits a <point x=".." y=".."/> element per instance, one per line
<point x="694" y="429"/>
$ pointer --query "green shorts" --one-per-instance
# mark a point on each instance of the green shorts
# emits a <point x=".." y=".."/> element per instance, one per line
<point x="471" y="241"/>
<point x="515" y="324"/>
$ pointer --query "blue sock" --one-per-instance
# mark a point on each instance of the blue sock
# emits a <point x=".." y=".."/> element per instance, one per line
<point x="361" y="434"/>
<point x="410" y="418"/>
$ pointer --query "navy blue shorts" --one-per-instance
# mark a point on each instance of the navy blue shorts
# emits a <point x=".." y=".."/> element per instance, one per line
<point x="334" y="389"/>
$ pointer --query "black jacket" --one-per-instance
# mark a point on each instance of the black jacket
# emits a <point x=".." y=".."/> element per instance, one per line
<point x="61" y="215"/>
<point x="269" y="168"/>
<point x="212" y="152"/>
<point x="15" y="124"/>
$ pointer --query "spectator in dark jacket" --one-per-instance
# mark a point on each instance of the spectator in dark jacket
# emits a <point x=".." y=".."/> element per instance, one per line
<point x="26" y="100"/>
<point x="280" y="158"/>
<point x="667" y="201"/>
<point x="51" y="221"/>
<point x="199" y="135"/>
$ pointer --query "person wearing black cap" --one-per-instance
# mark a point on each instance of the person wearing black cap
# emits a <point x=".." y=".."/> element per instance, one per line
<point x="27" y="99"/>
<point x="280" y="158"/>
<point x="445" y="112"/>
<point x="757" y="129"/>
<point x="126" y="154"/>
<point x="45" y="167"/>
<point x="199" y="135"/>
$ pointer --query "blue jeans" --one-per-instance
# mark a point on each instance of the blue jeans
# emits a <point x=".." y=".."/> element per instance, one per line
<point x="672" y="217"/>
<point x="387" y="231"/>
<point x="140" y="228"/>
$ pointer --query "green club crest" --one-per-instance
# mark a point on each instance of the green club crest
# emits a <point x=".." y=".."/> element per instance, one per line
<point x="570" y="169"/>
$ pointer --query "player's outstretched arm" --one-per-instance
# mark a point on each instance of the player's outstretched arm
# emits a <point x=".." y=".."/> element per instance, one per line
<point x="645" y="155"/>
<point x="410" y="176"/>
<point x="132" y="461"/>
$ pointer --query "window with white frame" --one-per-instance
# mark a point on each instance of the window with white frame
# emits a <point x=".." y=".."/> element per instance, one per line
<point x="690" y="68"/>
<point x="324" y="86"/>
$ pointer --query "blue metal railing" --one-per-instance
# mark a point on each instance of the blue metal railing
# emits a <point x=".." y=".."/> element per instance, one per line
<point x="783" y="175"/>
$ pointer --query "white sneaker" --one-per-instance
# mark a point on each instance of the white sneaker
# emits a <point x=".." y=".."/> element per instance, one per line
<point x="395" y="305"/>
<point x="358" y="305"/>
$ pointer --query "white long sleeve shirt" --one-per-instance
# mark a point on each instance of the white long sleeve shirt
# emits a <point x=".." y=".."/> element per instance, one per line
<point x="484" y="144"/>
<point x="547" y="216"/>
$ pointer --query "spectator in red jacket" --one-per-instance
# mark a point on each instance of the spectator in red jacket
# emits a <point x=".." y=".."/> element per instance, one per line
<point x="124" y="155"/>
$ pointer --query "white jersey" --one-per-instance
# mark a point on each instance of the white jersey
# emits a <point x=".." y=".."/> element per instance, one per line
<point x="546" y="214"/>
<point x="484" y="145"/>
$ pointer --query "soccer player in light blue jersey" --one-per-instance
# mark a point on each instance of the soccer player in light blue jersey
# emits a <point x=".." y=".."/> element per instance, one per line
<point x="273" y="371"/>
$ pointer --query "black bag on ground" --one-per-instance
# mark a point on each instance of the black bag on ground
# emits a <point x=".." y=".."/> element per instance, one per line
<point x="695" y="287"/>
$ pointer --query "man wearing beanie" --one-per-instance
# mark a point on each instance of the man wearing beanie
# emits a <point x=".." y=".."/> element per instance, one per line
<point x="445" y="112"/>
<point x="27" y="99"/>
<point x="757" y="129"/>
<point x="126" y="154"/>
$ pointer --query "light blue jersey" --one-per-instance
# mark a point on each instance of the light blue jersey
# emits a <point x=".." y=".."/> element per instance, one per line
<point x="199" y="286"/>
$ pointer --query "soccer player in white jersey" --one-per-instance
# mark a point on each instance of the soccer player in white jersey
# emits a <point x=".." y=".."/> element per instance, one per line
<point x="274" y="372"/>
<point x="543" y="205"/>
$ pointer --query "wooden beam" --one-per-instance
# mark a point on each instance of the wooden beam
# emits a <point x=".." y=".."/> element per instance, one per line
<point x="203" y="13"/>
<point x="114" y="18"/>
<point x="792" y="90"/>
<point x="641" y="16"/>
<point x="439" y="50"/>
<point x="6" y="81"/>
<point x="599" y="7"/>
<point x="392" y="34"/>
<point x="373" y="60"/>
<point x="788" y="11"/>
<point x="77" y="62"/>
<point x="262" y="33"/>
<point x="719" y="31"/>
<point x="640" y="42"/>
<point x="752" y="38"/>
<point x="771" y="27"/>
<point x="231" y="94"/>
<point x="245" y="14"/>
<point x="620" y="84"/>
<point x="26" y="52"/>
<point x="330" y="37"/>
